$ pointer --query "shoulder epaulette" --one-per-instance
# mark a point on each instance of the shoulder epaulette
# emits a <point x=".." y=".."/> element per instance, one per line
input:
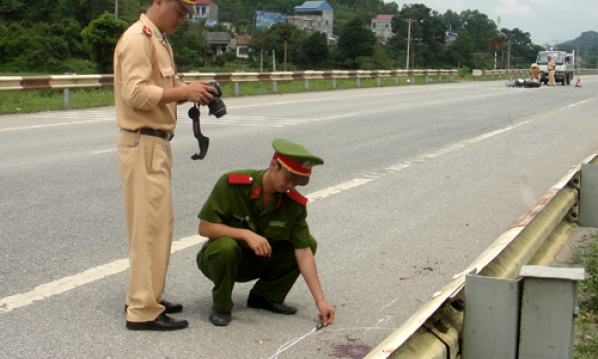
<point x="234" y="178"/>
<point x="297" y="197"/>
<point x="147" y="31"/>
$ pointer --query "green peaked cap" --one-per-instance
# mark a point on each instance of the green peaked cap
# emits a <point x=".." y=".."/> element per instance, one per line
<point x="297" y="153"/>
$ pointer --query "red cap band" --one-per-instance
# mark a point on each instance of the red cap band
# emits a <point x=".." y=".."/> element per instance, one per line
<point x="291" y="165"/>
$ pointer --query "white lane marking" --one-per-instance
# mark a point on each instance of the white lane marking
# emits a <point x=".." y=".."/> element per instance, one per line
<point x="345" y="186"/>
<point x="103" y="151"/>
<point x="65" y="284"/>
<point x="55" y="124"/>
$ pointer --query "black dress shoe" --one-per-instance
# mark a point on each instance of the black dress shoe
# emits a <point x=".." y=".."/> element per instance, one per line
<point x="169" y="308"/>
<point x="220" y="319"/>
<point x="259" y="302"/>
<point x="162" y="323"/>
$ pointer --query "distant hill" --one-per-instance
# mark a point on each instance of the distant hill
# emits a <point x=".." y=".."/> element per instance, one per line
<point x="587" y="44"/>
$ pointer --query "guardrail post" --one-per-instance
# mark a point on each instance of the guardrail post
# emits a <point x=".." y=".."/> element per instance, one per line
<point x="413" y="80"/>
<point x="67" y="95"/>
<point x="440" y="78"/>
<point x="275" y="86"/>
<point x="334" y="84"/>
<point x="427" y="78"/>
<point x="237" y="89"/>
<point x="358" y="82"/>
<point x="306" y="85"/>
<point x="379" y="82"/>
<point x="397" y="80"/>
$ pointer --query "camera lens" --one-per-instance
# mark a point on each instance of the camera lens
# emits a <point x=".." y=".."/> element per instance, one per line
<point x="217" y="107"/>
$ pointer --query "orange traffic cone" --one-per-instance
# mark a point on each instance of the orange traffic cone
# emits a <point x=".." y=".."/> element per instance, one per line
<point x="578" y="84"/>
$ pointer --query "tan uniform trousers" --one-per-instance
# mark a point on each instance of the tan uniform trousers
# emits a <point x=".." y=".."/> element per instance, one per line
<point x="145" y="164"/>
<point x="551" y="80"/>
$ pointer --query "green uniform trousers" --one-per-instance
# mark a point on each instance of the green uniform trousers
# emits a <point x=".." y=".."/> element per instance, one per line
<point x="225" y="262"/>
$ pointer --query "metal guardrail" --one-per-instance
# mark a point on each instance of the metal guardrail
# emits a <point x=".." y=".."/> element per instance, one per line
<point x="53" y="82"/>
<point x="436" y="329"/>
<point x="523" y="72"/>
<point x="70" y="81"/>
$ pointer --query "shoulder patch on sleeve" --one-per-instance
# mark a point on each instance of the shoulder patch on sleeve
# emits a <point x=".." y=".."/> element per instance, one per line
<point x="239" y="179"/>
<point x="297" y="197"/>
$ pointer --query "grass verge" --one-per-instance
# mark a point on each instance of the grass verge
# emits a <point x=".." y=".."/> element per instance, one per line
<point x="586" y="336"/>
<point x="53" y="100"/>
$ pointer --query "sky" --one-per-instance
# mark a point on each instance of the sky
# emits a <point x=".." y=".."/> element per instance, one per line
<point x="547" y="21"/>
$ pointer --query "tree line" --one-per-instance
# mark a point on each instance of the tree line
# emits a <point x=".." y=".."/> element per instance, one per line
<point x="79" y="36"/>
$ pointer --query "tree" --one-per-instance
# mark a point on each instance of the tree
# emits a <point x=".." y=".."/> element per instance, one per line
<point x="314" y="51"/>
<point x="101" y="36"/>
<point x="355" y="40"/>
<point x="274" y="39"/>
<point x="189" y="46"/>
<point x="521" y="45"/>
<point x="427" y="35"/>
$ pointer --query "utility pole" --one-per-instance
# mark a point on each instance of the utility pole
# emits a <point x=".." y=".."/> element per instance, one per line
<point x="286" y="38"/>
<point x="116" y="9"/>
<point x="408" y="39"/>
<point x="509" y="56"/>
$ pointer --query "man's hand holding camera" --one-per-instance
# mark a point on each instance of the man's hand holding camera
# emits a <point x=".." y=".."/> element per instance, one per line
<point x="200" y="92"/>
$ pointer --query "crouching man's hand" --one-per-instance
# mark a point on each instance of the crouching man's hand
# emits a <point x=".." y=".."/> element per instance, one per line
<point x="326" y="314"/>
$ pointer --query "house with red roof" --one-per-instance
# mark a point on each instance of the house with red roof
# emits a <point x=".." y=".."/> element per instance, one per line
<point x="242" y="45"/>
<point x="382" y="27"/>
<point x="205" y="10"/>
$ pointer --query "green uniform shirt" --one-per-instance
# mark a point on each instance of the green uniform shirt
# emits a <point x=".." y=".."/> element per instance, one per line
<point x="240" y="205"/>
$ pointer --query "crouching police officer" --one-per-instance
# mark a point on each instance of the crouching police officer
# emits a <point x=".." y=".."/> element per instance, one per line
<point x="256" y="224"/>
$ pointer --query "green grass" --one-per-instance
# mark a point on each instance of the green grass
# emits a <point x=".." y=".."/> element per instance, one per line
<point x="586" y="343"/>
<point x="53" y="100"/>
<point x="284" y="87"/>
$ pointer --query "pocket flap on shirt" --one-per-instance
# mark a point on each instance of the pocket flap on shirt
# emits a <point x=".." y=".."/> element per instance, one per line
<point x="167" y="71"/>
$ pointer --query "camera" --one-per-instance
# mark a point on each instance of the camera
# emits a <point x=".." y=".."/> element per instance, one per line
<point x="217" y="106"/>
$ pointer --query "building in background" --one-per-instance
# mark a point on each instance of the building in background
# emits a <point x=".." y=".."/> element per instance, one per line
<point x="382" y="27"/>
<point x="219" y="41"/>
<point x="242" y="45"/>
<point x="314" y="16"/>
<point x="205" y="10"/>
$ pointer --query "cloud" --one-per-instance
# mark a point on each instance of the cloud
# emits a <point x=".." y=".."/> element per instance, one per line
<point x="513" y="7"/>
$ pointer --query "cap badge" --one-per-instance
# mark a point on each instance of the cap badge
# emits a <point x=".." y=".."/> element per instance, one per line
<point x="308" y="165"/>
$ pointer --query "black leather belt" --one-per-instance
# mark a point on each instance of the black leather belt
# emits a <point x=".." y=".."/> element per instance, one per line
<point x="156" y="133"/>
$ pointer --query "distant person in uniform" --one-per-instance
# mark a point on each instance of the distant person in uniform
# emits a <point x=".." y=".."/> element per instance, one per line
<point x="146" y="92"/>
<point x="551" y="71"/>
<point x="255" y="222"/>
<point x="535" y="74"/>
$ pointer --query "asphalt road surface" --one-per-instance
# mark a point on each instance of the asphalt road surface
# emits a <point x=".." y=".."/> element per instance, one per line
<point x="418" y="181"/>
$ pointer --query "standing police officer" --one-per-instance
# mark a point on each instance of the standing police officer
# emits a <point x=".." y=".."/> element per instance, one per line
<point x="146" y="90"/>
<point x="255" y="221"/>
<point x="551" y="72"/>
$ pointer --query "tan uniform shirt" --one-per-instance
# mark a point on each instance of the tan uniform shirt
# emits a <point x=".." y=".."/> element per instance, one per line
<point x="143" y="68"/>
<point x="551" y="65"/>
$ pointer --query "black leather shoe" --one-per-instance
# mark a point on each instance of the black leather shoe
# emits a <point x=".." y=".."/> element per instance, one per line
<point x="220" y="319"/>
<point x="259" y="302"/>
<point x="169" y="308"/>
<point x="162" y="323"/>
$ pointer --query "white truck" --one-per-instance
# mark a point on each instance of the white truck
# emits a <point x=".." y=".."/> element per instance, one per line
<point x="564" y="66"/>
